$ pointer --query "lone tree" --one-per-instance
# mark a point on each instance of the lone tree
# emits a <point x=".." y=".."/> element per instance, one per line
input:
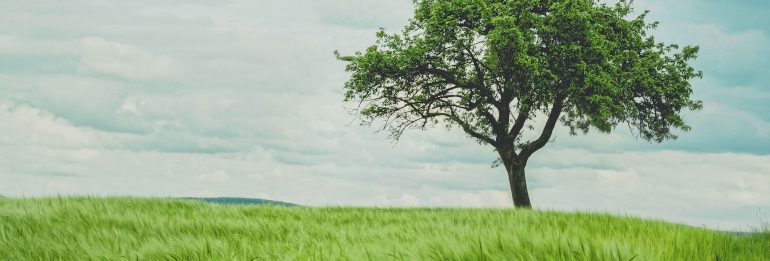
<point x="491" y="67"/>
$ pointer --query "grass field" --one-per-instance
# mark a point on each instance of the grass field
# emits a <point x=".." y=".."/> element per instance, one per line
<point x="158" y="229"/>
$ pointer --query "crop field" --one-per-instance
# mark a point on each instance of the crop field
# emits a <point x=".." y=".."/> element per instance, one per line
<point x="88" y="228"/>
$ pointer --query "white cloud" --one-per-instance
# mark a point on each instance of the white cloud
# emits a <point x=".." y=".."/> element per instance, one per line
<point x="365" y="14"/>
<point x="124" y="60"/>
<point x="257" y="176"/>
<point x="616" y="179"/>
<point x="691" y="188"/>
<point x="216" y="176"/>
<point x="737" y="120"/>
<point x="408" y="200"/>
<point x="10" y="44"/>
<point x="131" y="105"/>
<point x="27" y="126"/>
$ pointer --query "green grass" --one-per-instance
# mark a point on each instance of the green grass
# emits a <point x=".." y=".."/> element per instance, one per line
<point x="158" y="229"/>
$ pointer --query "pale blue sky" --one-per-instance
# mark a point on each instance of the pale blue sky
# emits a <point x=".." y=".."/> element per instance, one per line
<point x="243" y="98"/>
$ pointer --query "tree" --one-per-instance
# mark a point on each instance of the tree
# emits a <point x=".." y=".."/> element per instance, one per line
<point x="491" y="67"/>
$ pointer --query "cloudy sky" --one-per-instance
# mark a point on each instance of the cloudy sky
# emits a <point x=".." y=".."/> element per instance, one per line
<point x="244" y="98"/>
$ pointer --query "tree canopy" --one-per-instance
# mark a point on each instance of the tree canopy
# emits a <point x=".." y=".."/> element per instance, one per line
<point x="491" y="66"/>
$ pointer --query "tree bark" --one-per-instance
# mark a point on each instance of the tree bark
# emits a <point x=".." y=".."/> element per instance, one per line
<point x="517" y="181"/>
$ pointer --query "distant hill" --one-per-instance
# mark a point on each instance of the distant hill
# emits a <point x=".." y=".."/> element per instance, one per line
<point x="242" y="201"/>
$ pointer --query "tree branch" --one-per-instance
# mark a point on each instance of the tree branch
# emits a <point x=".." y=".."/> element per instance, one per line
<point x="497" y="126"/>
<point x="540" y="142"/>
<point x="521" y="118"/>
<point x="471" y="132"/>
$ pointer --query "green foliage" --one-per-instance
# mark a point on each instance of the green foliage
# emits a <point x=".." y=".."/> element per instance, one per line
<point x="489" y="66"/>
<point x="156" y="229"/>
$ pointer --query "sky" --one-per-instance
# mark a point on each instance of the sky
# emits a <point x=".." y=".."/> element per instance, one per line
<point x="243" y="98"/>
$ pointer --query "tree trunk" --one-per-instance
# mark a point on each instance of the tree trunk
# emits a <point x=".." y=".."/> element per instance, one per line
<point x="518" y="182"/>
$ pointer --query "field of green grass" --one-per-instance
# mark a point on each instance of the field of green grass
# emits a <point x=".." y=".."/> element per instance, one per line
<point x="161" y="229"/>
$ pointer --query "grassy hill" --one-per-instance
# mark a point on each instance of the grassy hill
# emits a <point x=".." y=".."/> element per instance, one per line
<point x="162" y="229"/>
